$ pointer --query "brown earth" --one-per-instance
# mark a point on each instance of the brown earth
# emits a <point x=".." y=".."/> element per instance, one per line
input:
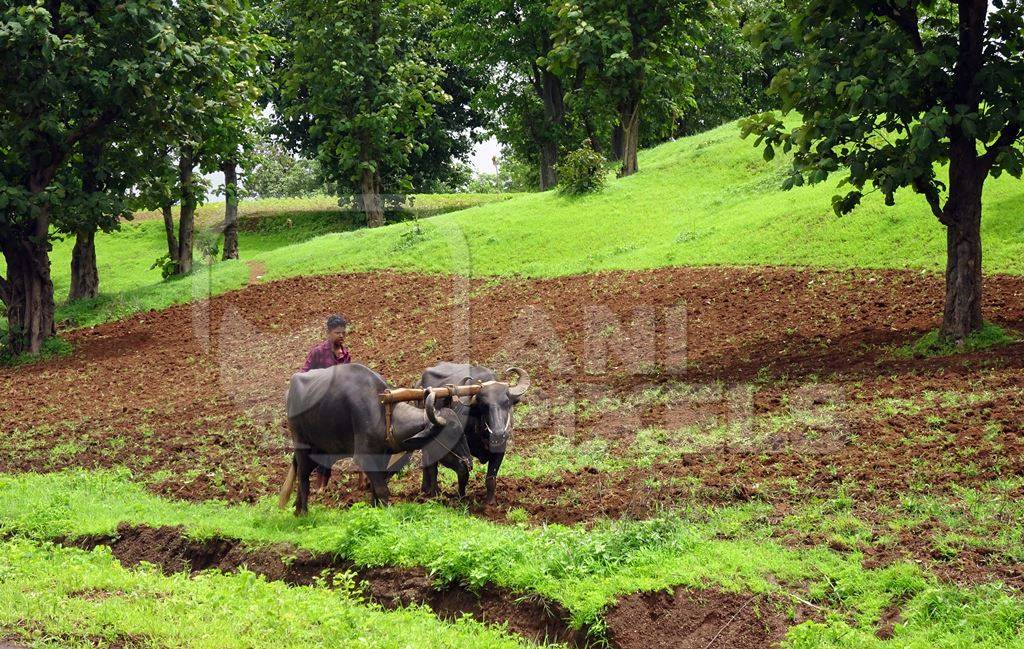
<point x="191" y="397"/>
<point x="685" y="619"/>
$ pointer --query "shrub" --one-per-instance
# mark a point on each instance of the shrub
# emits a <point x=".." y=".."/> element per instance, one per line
<point x="581" y="172"/>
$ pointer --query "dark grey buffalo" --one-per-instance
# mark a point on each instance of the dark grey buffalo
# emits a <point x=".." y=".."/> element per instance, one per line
<point x="486" y="418"/>
<point x="336" y="413"/>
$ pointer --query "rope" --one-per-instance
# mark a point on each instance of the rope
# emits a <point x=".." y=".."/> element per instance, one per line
<point x="389" y="433"/>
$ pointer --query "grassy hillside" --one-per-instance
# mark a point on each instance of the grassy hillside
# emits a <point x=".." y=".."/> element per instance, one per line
<point x="129" y="282"/>
<point x="706" y="199"/>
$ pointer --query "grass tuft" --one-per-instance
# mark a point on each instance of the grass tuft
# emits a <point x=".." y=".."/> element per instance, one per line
<point x="929" y="345"/>
<point x="55" y="347"/>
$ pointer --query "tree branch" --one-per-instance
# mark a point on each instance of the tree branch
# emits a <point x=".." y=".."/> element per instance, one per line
<point x="931" y="194"/>
<point x="1005" y="140"/>
<point x="42" y="177"/>
<point x="105" y="118"/>
<point x="906" y="19"/>
<point x="5" y="291"/>
<point x="537" y="80"/>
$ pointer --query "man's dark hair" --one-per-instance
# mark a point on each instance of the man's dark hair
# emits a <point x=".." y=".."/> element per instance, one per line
<point x="335" y="321"/>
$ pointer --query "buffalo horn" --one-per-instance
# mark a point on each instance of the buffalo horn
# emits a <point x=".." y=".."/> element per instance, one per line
<point x="434" y="418"/>
<point x="467" y="381"/>
<point x="522" y="381"/>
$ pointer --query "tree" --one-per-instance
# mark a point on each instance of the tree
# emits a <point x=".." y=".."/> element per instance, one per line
<point x="890" y="91"/>
<point x="360" y="89"/>
<point x="732" y="77"/>
<point x="273" y="172"/>
<point x="230" y="170"/>
<point x="208" y="123"/>
<point x="99" y="181"/>
<point x="632" y="46"/>
<point x="91" y="63"/>
<point x="511" y="38"/>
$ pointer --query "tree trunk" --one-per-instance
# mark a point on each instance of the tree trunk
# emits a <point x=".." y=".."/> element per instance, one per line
<point x="549" y="89"/>
<point x="629" y="118"/>
<point x="967" y="172"/>
<point x="371" y="199"/>
<point x="595" y="140"/>
<point x="186" y="218"/>
<point x="85" y="277"/>
<point x="962" y="216"/>
<point x="230" y="210"/>
<point x="617" y="142"/>
<point x="172" y="241"/>
<point x="28" y="290"/>
<point x="548" y="160"/>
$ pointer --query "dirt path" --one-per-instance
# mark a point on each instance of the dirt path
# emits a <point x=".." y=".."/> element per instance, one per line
<point x="256" y="271"/>
<point x="191" y="397"/>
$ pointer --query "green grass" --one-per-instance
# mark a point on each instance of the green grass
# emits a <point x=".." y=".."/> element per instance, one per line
<point x="584" y="569"/>
<point x="702" y="200"/>
<point x="52" y="348"/>
<point x="64" y="597"/>
<point x="928" y="345"/>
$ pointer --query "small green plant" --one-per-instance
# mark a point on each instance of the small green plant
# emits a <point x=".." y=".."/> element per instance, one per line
<point x="581" y="172"/>
<point x="990" y="335"/>
<point x="166" y="265"/>
<point x="517" y="515"/>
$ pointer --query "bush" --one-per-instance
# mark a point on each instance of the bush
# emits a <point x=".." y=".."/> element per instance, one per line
<point x="581" y="172"/>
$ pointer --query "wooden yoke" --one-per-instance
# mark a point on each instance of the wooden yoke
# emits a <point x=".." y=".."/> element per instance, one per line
<point x="418" y="394"/>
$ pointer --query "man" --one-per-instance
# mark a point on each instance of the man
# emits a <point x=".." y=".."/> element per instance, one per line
<point x="329" y="353"/>
<point x="332" y="351"/>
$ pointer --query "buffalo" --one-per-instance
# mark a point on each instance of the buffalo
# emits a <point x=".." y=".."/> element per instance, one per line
<point x="336" y="413"/>
<point x="486" y="418"/>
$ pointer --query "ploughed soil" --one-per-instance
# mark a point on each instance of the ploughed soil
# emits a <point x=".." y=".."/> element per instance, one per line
<point x="797" y="366"/>
<point x="685" y="619"/>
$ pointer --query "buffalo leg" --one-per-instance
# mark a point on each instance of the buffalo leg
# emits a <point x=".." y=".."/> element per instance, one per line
<point x="493" y="464"/>
<point x="463" y="472"/>
<point x="456" y="464"/>
<point x="430" y="480"/>
<point x="303" y="467"/>
<point x="379" y="487"/>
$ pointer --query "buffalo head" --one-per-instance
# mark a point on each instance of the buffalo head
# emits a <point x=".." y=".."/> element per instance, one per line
<point x="492" y="406"/>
